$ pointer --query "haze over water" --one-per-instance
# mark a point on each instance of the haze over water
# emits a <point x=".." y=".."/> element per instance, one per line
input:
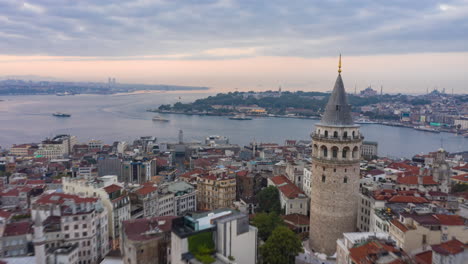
<point x="110" y="118"/>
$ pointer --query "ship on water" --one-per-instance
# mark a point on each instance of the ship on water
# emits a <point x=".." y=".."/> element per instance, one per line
<point x="160" y="119"/>
<point x="64" y="94"/>
<point x="427" y="129"/>
<point x="240" y="117"/>
<point x="60" y="114"/>
<point x="364" y="121"/>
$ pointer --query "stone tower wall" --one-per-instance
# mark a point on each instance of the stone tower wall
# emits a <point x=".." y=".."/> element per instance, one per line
<point x="334" y="186"/>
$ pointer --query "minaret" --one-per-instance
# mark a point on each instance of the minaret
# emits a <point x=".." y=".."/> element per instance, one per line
<point x="336" y="143"/>
<point x="39" y="240"/>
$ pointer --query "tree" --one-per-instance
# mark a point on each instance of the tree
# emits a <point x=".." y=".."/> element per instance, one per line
<point x="459" y="187"/>
<point x="281" y="247"/>
<point x="266" y="223"/>
<point x="269" y="200"/>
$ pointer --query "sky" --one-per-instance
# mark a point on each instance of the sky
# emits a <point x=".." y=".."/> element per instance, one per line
<point x="403" y="46"/>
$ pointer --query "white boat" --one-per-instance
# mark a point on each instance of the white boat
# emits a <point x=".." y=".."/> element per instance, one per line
<point x="364" y="121"/>
<point x="160" y="119"/>
<point x="240" y="117"/>
<point x="427" y="129"/>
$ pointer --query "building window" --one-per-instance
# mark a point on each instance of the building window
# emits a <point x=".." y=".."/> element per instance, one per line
<point x="323" y="178"/>
<point x="345" y="180"/>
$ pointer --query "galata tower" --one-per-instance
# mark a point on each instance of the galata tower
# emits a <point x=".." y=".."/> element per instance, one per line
<point x="336" y="144"/>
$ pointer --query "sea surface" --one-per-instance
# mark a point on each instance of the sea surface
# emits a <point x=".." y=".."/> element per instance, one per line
<point x="25" y="119"/>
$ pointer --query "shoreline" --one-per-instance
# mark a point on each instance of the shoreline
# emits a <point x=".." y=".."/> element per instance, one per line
<point x="383" y="123"/>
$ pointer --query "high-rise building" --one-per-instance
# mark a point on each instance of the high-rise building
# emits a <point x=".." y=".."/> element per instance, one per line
<point x="336" y="145"/>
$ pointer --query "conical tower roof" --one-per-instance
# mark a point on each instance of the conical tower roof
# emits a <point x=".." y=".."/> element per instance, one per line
<point x="338" y="111"/>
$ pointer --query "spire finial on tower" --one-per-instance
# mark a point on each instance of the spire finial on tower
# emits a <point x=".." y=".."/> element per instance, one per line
<point x="339" y="65"/>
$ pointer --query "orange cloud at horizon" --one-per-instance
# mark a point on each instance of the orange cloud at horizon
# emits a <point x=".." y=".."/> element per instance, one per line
<point x="412" y="73"/>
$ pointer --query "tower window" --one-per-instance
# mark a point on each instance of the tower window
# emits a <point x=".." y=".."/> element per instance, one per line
<point x="335" y="134"/>
<point x="326" y="133"/>
<point x="345" y="134"/>
<point x="323" y="178"/>
<point x="335" y="152"/>
<point x="334" y="170"/>
<point x="324" y="151"/>
<point x="345" y="180"/>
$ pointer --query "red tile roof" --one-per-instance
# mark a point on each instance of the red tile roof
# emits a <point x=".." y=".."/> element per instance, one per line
<point x="192" y="173"/>
<point x="5" y="214"/>
<point x="242" y="173"/>
<point x="18" y="228"/>
<point x="112" y="188"/>
<point x="280" y="179"/>
<point x="424" y="257"/>
<point x="452" y="220"/>
<point x="296" y="219"/>
<point x="399" y="225"/>
<point x="375" y="172"/>
<point x="451" y="247"/>
<point x="367" y="253"/>
<point x="146" y="190"/>
<point x="464" y="167"/>
<point x="60" y="198"/>
<point x="461" y="177"/>
<point x="407" y="199"/>
<point x="137" y="229"/>
<point x="406" y="168"/>
<point x="35" y="182"/>
<point x="437" y="193"/>
<point x="15" y="191"/>
<point x="286" y="187"/>
<point x="291" y="191"/>
<point x="413" y="180"/>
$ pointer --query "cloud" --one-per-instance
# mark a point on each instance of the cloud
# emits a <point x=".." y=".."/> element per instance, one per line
<point x="207" y="29"/>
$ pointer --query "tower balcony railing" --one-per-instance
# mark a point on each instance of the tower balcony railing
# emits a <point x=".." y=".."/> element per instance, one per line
<point x="348" y="139"/>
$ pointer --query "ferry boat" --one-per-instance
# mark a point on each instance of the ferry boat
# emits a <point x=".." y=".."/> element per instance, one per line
<point x="240" y="117"/>
<point x="59" y="114"/>
<point x="64" y="94"/>
<point x="160" y="119"/>
<point x="364" y="121"/>
<point x="427" y="129"/>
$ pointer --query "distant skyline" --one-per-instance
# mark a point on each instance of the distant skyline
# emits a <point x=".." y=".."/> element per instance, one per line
<point x="249" y="45"/>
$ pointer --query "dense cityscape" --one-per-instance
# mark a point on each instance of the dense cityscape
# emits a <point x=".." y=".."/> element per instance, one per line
<point x="329" y="200"/>
<point x="233" y="132"/>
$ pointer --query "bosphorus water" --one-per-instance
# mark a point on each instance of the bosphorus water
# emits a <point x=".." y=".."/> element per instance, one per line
<point x="25" y="119"/>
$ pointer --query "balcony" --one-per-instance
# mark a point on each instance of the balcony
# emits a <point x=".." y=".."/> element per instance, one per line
<point x="332" y="139"/>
